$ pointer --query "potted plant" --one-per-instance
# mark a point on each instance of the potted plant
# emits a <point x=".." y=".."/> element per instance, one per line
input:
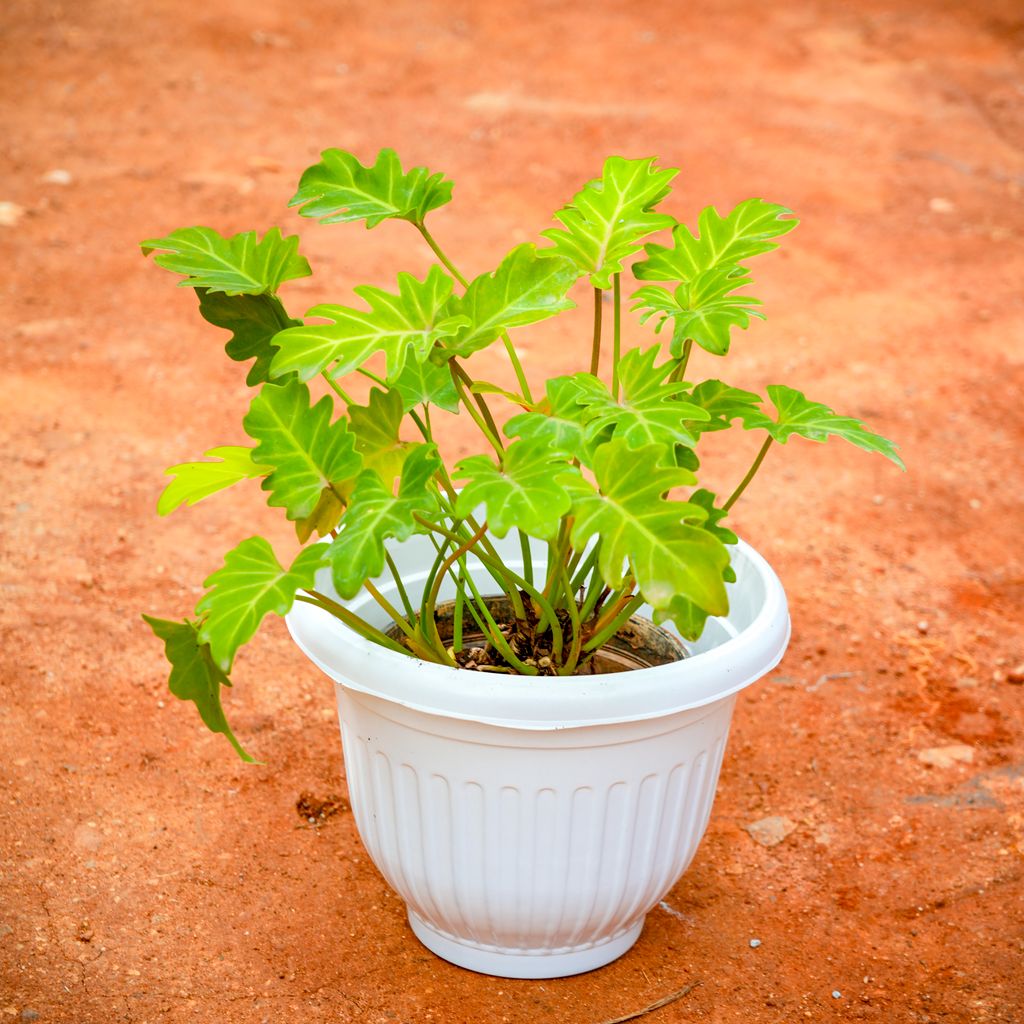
<point x="536" y="649"/>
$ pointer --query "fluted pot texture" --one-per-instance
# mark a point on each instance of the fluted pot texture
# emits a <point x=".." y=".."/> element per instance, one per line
<point x="530" y="823"/>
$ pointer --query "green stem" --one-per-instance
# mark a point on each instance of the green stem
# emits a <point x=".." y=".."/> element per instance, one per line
<point x="524" y="386"/>
<point x="492" y="439"/>
<point x="436" y="249"/>
<point x="524" y="547"/>
<point x="612" y="627"/>
<point x="577" y="633"/>
<point x="423" y="428"/>
<point x="495" y="634"/>
<point x="431" y="602"/>
<point x="338" y="390"/>
<point x="755" y="466"/>
<point x="616" y="332"/>
<point x="353" y="621"/>
<point x="679" y="371"/>
<point x="595" y="348"/>
<point x="400" y="586"/>
<point x="480" y="400"/>
<point x="430" y="653"/>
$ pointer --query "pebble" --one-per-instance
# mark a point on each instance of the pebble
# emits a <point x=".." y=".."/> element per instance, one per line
<point x="58" y="176"/>
<point x="836" y="994"/>
<point x="1016" y="675"/>
<point x="946" y="757"/>
<point x="754" y="943"/>
<point x="770" y="831"/>
<point x="28" y="1015"/>
<point x="941" y="205"/>
<point x="922" y="626"/>
<point x="10" y="213"/>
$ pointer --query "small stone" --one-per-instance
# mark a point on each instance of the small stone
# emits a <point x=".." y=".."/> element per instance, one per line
<point x="836" y="994"/>
<point x="10" y="213"/>
<point x="878" y="499"/>
<point x="941" y="205"/>
<point x="754" y="943"/>
<point x="1016" y="675"/>
<point x="770" y="831"/>
<point x="946" y="757"/>
<point x="58" y="176"/>
<point x="975" y="504"/>
<point x="28" y="1015"/>
<point x="922" y="626"/>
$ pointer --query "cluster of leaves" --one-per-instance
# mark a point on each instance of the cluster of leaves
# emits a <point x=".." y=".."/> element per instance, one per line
<point x="601" y="469"/>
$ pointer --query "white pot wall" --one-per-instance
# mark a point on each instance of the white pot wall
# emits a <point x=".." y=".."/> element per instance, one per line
<point x="529" y="824"/>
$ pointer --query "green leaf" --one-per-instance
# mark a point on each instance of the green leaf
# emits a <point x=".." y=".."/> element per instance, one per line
<point x="703" y="309"/>
<point x="415" y="317"/>
<point x="817" y="422"/>
<point x="253" y="321"/>
<point x="426" y="383"/>
<point x="307" y="451"/>
<point x="668" y="556"/>
<point x="525" y="289"/>
<point x="194" y="676"/>
<point x="376" y="515"/>
<point x="376" y="428"/>
<point x="240" y="265"/>
<point x="251" y="584"/>
<point x="340" y="188"/>
<point x="558" y="420"/>
<point x="527" y="492"/>
<point x="194" y="481"/>
<point x="721" y="241"/>
<point x="688" y="618"/>
<point x="647" y="411"/>
<point x="706" y="500"/>
<point x="724" y="403"/>
<point x="607" y="220"/>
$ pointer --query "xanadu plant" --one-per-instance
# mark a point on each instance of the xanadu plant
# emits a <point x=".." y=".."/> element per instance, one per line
<point x="602" y="466"/>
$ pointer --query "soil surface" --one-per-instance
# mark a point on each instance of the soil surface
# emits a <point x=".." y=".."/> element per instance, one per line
<point x="869" y="827"/>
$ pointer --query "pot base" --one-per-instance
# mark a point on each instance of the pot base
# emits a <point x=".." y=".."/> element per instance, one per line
<point x="533" y="966"/>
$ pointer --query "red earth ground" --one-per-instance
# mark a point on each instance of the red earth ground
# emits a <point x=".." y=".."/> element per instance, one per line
<point x="148" y="876"/>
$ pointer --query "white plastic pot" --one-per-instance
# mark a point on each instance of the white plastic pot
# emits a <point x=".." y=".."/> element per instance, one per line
<point x="531" y="823"/>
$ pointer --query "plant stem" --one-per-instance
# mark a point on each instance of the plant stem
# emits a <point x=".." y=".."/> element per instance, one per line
<point x="513" y="356"/>
<point x="435" y="588"/>
<point x="400" y="586"/>
<point x="755" y="466"/>
<point x="369" y="373"/>
<point x="577" y="632"/>
<point x="492" y="438"/>
<point x="338" y="390"/>
<point x="481" y="402"/>
<point x="624" y="612"/>
<point x="679" y="370"/>
<point x="524" y="547"/>
<point x="430" y="653"/>
<point x="436" y="249"/>
<point x="595" y="348"/>
<point x="353" y="621"/>
<point x="496" y="636"/>
<point x="616" y="332"/>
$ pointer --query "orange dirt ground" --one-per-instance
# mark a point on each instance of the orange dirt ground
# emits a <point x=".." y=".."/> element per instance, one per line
<point x="148" y="876"/>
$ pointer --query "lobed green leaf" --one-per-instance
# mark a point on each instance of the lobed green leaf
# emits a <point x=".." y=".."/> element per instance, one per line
<point x="194" y="676"/>
<point x="798" y="415"/>
<point x="194" y="481"/>
<point x="240" y="265"/>
<point x="340" y="189"/>
<point x="251" y="584"/>
<point x="426" y="383"/>
<point x="527" y="491"/>
<point x="415" y="317"/>
<point x="308" y="451"/>
<point x="610" y="216"/>
<point x="376" y="515"/>
<point x="525" y="289"/>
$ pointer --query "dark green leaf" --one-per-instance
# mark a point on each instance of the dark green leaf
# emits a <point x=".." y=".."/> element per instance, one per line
<point x="525" y="492"/>
<point x="376" y="515"/>
<point x="251" y="584"/>
<point x="194" y="481"/>
<point x="817" y="422"/>
<point x="636" y="524"/>
<point x="194" y="676"/>
<point x="307" y="451"/>
<point x="417" y="316"/>
<point x="240" y="265"/>
<point x="609" y="217"/>
<point x="721" y="241"/>
<point x="523" y="290"/>
<point x="253" y="321"/>
<point x="340" y="188"/>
